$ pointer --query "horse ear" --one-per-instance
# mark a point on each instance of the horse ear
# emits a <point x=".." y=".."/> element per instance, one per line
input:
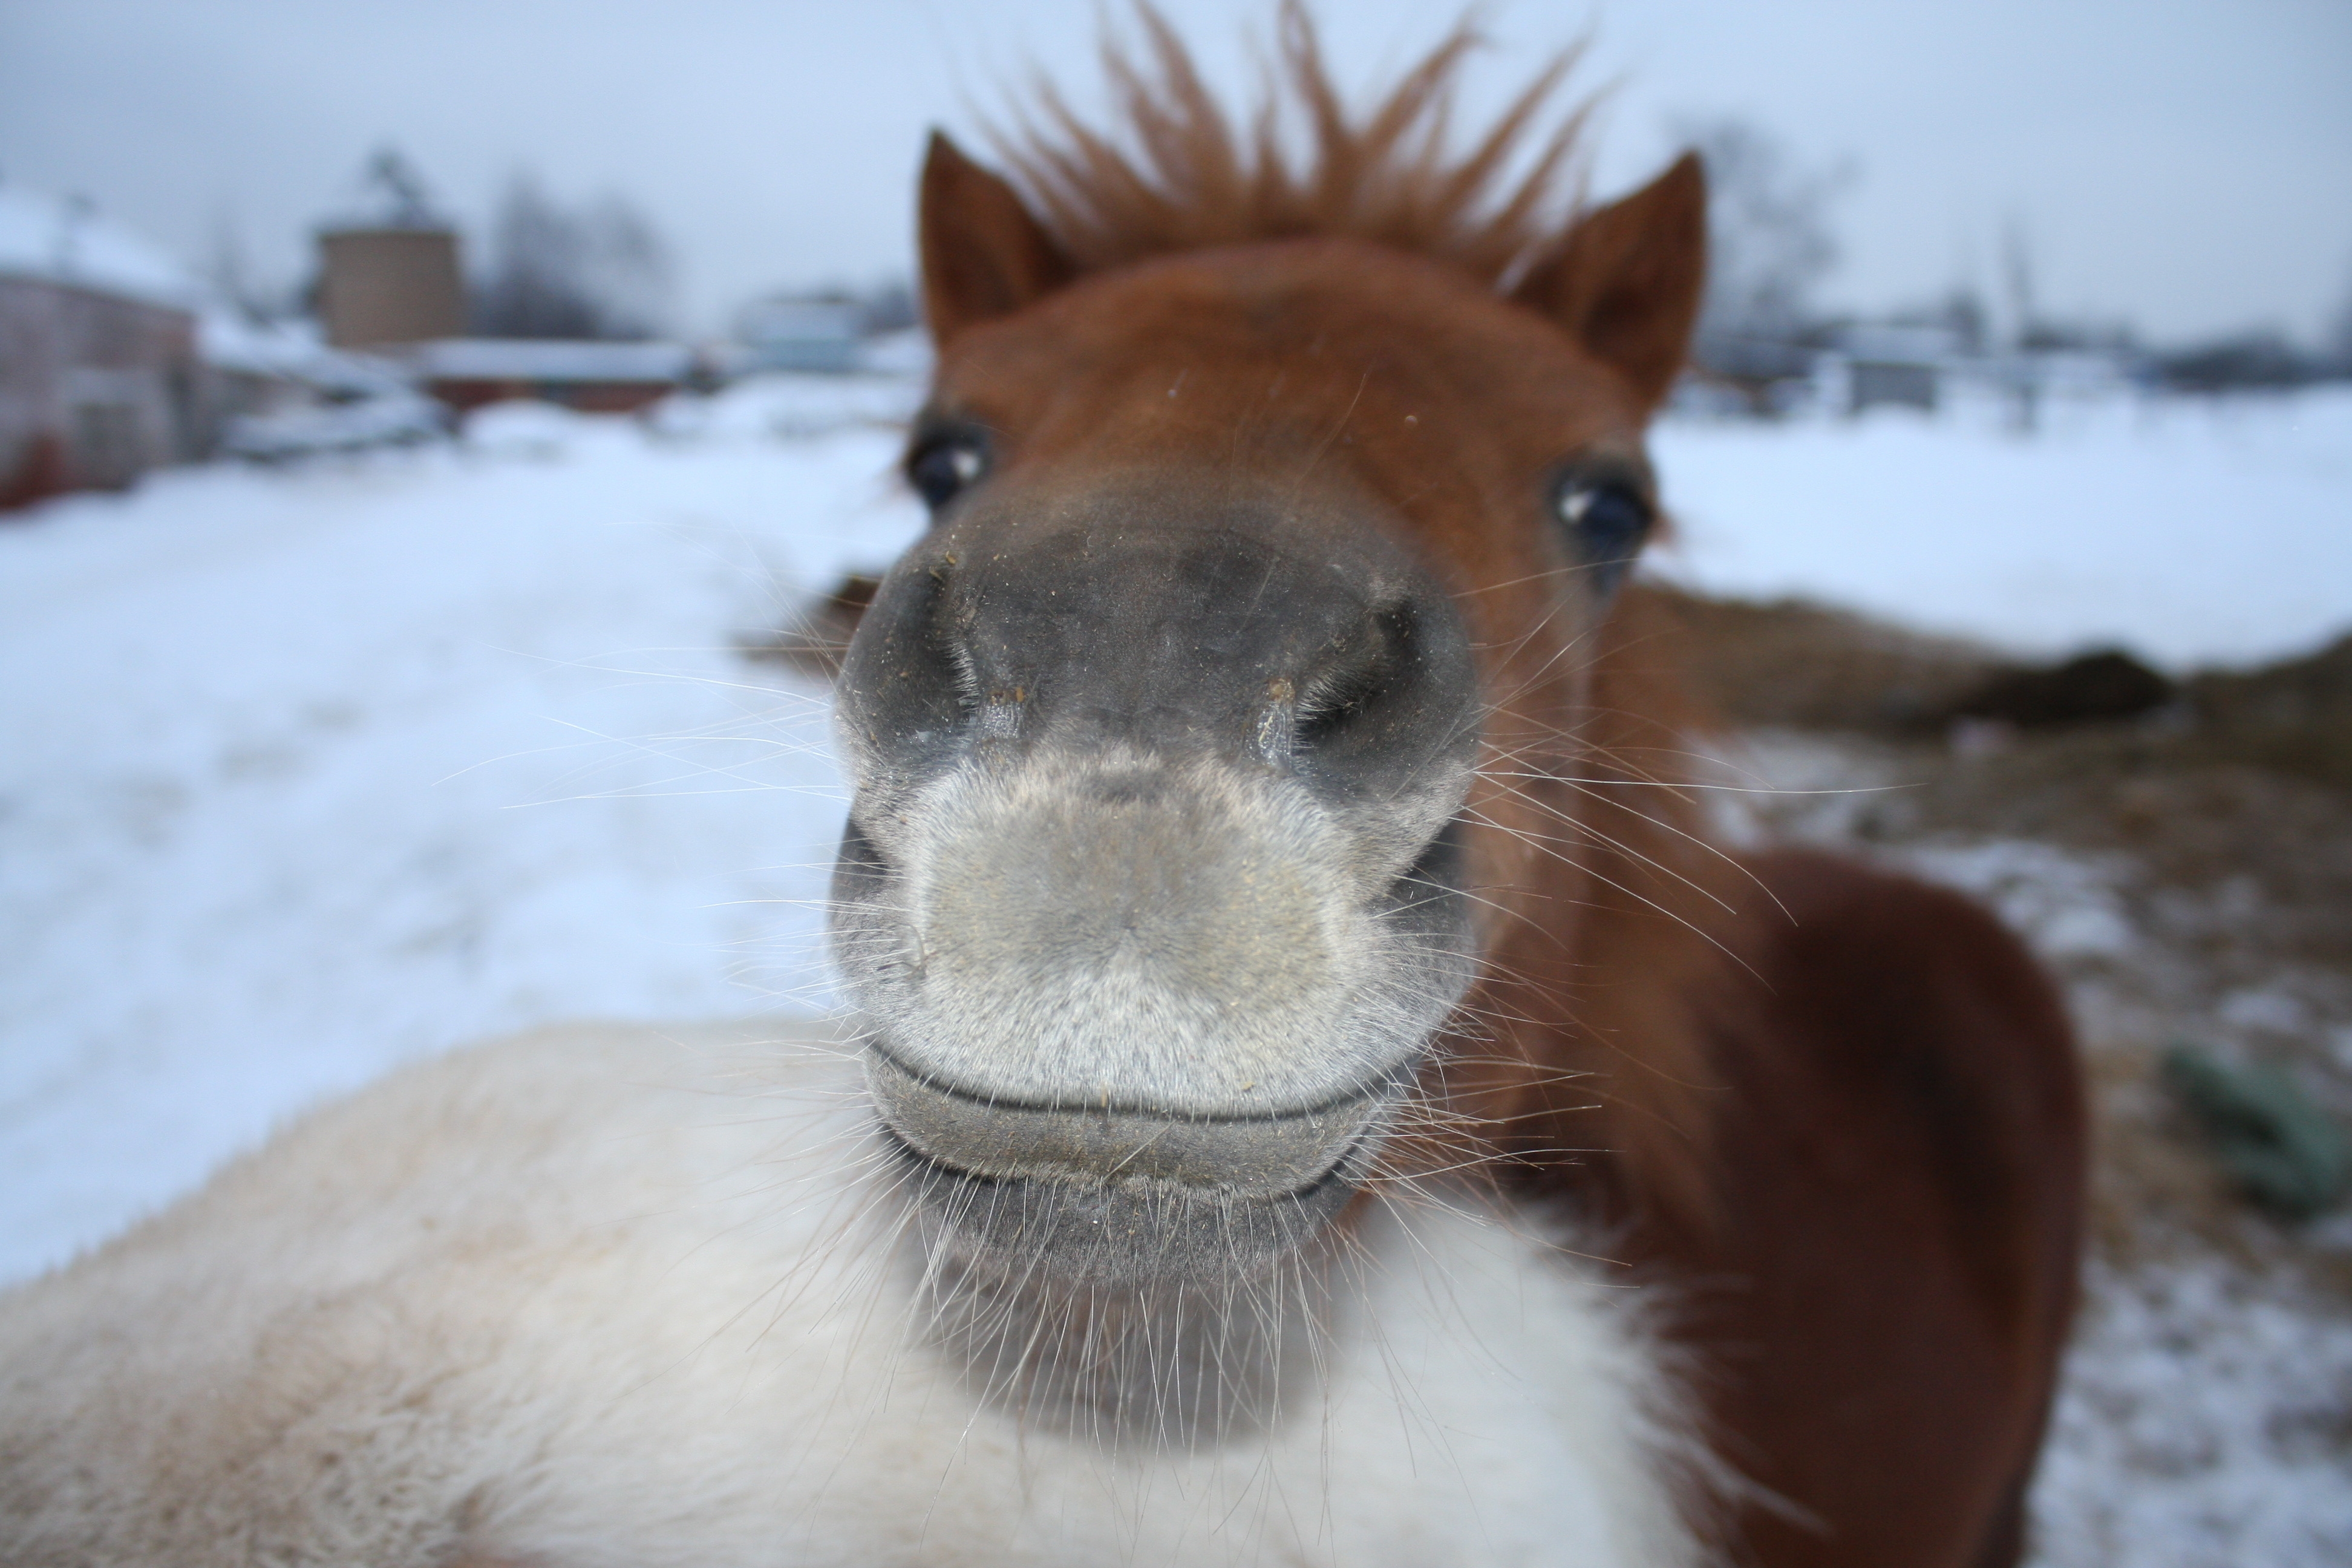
<point x="984" y="255"/>
<point x="1626" y="281"/>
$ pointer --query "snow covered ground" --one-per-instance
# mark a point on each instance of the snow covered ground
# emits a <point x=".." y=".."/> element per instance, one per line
<point x="2190" y="532"/>
<point x="304" y="772"/>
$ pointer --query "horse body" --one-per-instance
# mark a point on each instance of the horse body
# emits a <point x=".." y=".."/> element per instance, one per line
<point x="614" y="1296"/>
<point x="1281" y="941"/>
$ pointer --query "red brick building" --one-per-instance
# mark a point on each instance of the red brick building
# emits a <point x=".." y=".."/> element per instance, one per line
<point x="592" y="376"/>
<point x="100" y="373"/>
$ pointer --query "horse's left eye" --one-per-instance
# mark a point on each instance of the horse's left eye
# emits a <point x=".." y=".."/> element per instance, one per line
<point x="1608" y="522"/>
<point x="945" y="465"/>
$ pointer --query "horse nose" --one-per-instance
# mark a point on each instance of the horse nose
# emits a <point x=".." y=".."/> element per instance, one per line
<point x="1327" y="656"/>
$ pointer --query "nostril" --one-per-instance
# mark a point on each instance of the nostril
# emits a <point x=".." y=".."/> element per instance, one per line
<point x="908" y="671"/>
<point x="957" y="658"/>
<point x="1360" y="679"/>
<point x="1439" y="865"/>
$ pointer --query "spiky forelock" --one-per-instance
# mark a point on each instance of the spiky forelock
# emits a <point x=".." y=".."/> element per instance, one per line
<point x="1191" y="180"/>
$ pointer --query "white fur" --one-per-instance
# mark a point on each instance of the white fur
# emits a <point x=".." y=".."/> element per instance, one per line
<point x="616" y="1295"/>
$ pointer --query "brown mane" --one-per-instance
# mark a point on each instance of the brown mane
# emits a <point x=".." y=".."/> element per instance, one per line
<point x="1195" y="180"/>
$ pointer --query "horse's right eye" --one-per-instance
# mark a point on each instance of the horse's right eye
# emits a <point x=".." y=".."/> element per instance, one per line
<point x="1607" y="519"/>
<point x="942" y="467"/>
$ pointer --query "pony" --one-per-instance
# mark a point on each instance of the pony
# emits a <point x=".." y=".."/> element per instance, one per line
<point x="1318" y="1089"/>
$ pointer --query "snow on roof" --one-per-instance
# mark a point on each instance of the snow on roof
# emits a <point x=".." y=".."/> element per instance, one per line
<point x="62" y="239"/>
<point x="535" y="359"/>
<point x="801" y="321"/>
<point x="291" y="350"/>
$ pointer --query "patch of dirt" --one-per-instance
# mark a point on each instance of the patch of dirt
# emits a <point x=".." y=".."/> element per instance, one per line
<point x="1790" y="664"/>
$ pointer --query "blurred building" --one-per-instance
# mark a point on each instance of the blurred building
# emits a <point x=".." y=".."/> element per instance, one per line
<point x="100" y="373"/>
<point x="1877" y="365"/>
<point x="588" y="375"/>
<point x="384" y="287"/>
<point x="1926" y="362"/>
<point x="823" y="334"/>
<point x="388" y="272"/>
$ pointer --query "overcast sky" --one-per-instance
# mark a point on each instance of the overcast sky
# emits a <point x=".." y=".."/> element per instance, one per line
<point x="2183" y="163"/>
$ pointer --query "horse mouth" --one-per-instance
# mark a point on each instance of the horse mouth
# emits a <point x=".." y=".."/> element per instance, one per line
<point x="1117" y="1196"/>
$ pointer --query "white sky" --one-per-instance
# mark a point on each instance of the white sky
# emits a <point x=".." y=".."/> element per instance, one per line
<point x="2186" y="163"/>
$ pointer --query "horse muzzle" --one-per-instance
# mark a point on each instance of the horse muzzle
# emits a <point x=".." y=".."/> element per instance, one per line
<point x="1150" y="885"/>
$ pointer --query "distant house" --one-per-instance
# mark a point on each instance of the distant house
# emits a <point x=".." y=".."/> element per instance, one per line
<point x="285" y="394"/>
<point x="822" y="334"/>
<point x="1884" y="365"/>
<point x="101" y="374"/>
<point x="590" y="376"/>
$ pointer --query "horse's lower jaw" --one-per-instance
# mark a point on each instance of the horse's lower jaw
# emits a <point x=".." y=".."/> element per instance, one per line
<point x="1122" y="1232"/>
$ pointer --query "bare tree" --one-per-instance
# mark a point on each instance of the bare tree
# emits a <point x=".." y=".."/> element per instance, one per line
<point x="228" y="272"/>
<point x="625" y="269"/>
<point x="1963" y="313"/>
<point x="533" y="289"/>
<point x="404" y="201"/>
<point x="2020" y="277"/>
<point x="1769" y="235"/>
<point x="2337" y="348"/>
<point x="600" y="272"/>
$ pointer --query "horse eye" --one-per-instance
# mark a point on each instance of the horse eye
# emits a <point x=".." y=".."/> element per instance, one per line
<point x="945" y="465"/>
<point x="1608" y="522"/>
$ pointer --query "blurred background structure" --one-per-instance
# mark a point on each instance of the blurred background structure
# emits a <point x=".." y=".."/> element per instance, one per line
<point x="99" y="375"/>
<point x="1998" y="204"/>
<point x="412" y="414"/>
<point x="390" y="276"/>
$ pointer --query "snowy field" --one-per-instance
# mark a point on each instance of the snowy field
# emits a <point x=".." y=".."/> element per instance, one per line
<point x="2190" y="532"/>
<point x="306" y="772"/>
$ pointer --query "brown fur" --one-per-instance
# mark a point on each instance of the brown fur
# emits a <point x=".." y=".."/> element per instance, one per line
<point x="1832" y="1115"/>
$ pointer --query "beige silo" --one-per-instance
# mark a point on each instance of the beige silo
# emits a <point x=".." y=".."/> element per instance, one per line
<point x="383" y="286"/>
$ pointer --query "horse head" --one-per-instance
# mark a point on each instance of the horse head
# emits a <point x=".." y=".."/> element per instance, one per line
<point x="1177" y="834"/>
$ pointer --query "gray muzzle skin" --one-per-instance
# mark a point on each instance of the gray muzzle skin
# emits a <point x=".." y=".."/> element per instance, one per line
<point x="1150" y="885"/>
